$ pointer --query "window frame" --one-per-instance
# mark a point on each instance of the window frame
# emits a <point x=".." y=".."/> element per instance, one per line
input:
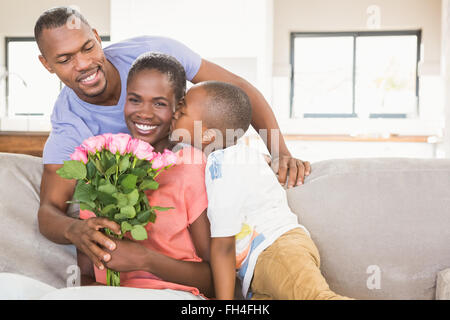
<point x="355" y="35"/>
<point x="25" y="39"/>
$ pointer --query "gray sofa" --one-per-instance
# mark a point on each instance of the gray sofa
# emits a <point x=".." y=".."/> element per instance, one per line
<point x="382" y="226"/>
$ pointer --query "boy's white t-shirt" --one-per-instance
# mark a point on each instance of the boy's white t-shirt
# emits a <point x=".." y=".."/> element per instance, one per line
<point x="246" y="200"/>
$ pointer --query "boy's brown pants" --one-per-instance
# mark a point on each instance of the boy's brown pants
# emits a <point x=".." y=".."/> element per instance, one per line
<point x="289" y="270"/>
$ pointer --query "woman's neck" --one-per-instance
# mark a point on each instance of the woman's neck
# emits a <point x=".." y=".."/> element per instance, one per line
<point x="163" y="144"/>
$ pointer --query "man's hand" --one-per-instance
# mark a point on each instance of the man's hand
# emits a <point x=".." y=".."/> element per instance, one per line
<point x="87" y="237"/>
<point x="290" y="169"/>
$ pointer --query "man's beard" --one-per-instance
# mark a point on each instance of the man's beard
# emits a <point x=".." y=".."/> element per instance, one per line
<point x="94" y="95"/>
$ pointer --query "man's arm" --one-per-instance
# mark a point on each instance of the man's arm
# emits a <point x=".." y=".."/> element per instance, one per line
<point x="60" y="228"/>
<point x="87" y="273"/>
<point x="262" y="118"/>
<point x="223" y="265"/>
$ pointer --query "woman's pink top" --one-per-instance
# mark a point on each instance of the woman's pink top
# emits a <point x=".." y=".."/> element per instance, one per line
<point x="182" y="187"/>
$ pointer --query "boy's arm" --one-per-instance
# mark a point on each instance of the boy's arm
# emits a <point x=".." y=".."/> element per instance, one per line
<point x="201" y="236"/>
<point x="223" y="264"/>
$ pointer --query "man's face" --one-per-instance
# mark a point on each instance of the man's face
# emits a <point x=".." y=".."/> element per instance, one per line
<point x="75" y="55"/>
<point x="149" y="107"/>
<point x="189" y="116"/>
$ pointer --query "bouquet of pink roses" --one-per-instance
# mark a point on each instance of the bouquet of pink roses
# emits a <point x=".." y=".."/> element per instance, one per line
<point x="112" y="172"/>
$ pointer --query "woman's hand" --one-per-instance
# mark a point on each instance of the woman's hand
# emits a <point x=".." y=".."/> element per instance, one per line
<point x="87" y="237"/>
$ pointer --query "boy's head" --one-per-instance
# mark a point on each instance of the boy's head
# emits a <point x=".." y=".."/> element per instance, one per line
<point x="221" y="110"/>
<point x="156" y="84"/>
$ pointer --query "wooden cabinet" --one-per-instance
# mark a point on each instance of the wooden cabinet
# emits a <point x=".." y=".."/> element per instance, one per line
<point x="31" y="143"/>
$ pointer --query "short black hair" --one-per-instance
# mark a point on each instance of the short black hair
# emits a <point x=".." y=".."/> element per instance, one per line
<point x="55" y="18"/>
<point x="165" y="64"/>
<point x="226" y="107"/>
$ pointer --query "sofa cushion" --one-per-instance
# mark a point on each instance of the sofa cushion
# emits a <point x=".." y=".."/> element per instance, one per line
<point x="381" y="225"/>
<point x="23" y="249"/>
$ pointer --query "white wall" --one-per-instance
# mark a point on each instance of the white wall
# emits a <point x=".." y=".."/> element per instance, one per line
<point x="235" y="33"/>
<point x="17" y="19"/>
<point x="446" y="71"/>
<point x="351" y="15"/>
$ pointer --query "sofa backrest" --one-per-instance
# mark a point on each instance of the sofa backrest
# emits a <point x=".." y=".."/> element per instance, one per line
<point x="382" y="226"/>
<point x="23" y="249"/>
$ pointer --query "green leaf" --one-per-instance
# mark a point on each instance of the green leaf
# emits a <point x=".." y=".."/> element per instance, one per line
<point x="152" y="216"/>
<point x="108" y="209"/>
<point x="120" y="216"/>
<point x="129" y="181"/>
<point x="72" y="169"/>
<point x="138" y="232"/>
<point x="124" y="163"/>
<point x="87" y="206"/>
<point x="145" y="200"/>
<point x="122" y="199"/>
<point x="99" y="166"/>
<point x="111" y="170"/>
<point x="162" y="208"/>
<point x="133" y="197"/>
<point x="139" y="172"/>
<point x="107" y="159"/>
<point x="143" y="216"/>
<point x="134" y="221"/>
<point x="149" y="183"/>
<point x="84" y="192"/>
<point x="107" y="188"/>
<point x="90" y="170"/>
<point x="106" y="199"/>
<point x="128" y="211"/>
<point x="125" y="227"/>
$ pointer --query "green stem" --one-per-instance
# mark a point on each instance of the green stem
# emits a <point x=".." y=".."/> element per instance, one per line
<point x="112" y="277"/>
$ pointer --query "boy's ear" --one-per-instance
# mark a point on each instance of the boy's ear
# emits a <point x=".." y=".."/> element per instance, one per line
<point x="209" y="136"/>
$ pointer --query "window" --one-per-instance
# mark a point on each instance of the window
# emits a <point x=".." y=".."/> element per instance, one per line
<point x="355" y="74"/>
<point x="30" y="89"/>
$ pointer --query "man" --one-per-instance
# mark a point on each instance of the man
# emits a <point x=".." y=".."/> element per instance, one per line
<point x="92" y="103"/>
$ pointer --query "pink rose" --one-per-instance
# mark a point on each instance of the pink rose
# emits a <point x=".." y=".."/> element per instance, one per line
<point x="158" y="161"/>
<point x="94" y="144"/>
<point x="119" y="143"/>
<point x="80" y="154"/>
<point x="108" y="137"/>
<point x="141" y="149"/>
<point x="170" y="158"/>
<point x="86" y="214"/>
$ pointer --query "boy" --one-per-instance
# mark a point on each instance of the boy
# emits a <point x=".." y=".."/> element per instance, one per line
<point x="252" y="227"/>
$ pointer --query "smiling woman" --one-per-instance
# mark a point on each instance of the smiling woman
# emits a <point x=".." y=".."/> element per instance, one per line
<point x="153" y="97"/>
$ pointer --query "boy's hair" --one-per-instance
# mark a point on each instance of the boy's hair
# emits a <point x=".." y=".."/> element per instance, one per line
<point x="55" y="18"/>
<point x="165" y="64"/>
<point x="226" y="107"/>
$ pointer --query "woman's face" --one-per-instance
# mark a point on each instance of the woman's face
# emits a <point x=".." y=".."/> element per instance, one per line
<point x="149" y="108"/>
